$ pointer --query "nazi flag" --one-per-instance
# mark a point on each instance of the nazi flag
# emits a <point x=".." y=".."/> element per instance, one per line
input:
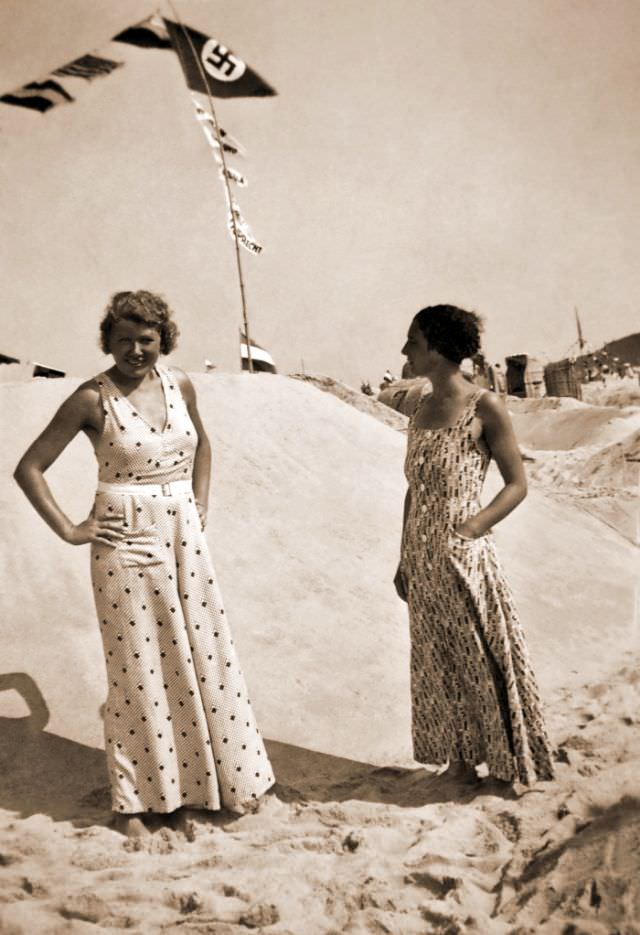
<point x="210" y="66"/>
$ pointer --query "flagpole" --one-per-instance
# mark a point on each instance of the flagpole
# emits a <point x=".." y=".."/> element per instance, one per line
<point x="581" y="340"/>
<point x="225" y="178"/>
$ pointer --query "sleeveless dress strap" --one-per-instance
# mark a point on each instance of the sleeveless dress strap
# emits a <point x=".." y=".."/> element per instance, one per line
<point x="107" y="386"/>
<point x="419" y="396"/>
<point x="469" y="411"/>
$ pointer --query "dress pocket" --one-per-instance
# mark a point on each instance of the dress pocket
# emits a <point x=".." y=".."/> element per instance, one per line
<point x="141" y="547"/>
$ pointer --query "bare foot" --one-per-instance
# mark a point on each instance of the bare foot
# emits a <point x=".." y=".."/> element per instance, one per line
<point x="131" y="826"/>
<point x="187" y="821"/>
<point x="253" y="806"/>
<point x="461" y="771"/>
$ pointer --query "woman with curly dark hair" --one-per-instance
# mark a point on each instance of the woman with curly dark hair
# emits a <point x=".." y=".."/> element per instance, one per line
<point x="179" y="730"/>
<point x="475" y="703"/>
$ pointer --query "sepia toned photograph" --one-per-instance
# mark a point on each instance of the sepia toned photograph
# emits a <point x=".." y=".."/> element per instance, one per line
<point x="320" y="467"/>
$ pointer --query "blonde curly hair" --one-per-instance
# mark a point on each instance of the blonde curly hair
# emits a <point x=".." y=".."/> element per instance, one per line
<point x="145" y="308"/>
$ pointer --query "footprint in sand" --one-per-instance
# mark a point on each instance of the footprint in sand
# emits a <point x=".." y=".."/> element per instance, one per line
<point x="438" y="886"/>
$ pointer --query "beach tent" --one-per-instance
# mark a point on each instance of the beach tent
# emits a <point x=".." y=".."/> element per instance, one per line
<point x="562" y="379"/>
<point x="525" y="376"/>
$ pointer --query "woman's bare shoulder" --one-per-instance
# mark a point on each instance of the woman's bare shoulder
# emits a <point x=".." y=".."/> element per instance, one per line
<point x="415" y="396"/>
<point x="184" y="382"/>
<point x="489" y="401"/>
<point x="90" y="386"/>
<point x="88" y="392"/>
<point x="492" y="409"/>
<point x="84" y="402"/>
<point x="179" y="374"/>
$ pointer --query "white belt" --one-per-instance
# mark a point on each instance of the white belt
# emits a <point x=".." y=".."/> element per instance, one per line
<point x="170" y="489"/>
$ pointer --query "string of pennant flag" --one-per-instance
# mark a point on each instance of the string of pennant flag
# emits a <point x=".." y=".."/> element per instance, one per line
<point x="209" y="68"/>
<point x="226" y="74"/>
<point x="231" y="146"/>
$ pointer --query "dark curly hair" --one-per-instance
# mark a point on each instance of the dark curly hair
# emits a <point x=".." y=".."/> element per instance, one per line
<point x="145" y="308"/>
<point x="450" y="330"/>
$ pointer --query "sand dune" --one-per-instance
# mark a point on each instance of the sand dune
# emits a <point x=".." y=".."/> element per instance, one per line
<point x="619" y="392"/>
<point x="304" y="530"/>
<point x="616" y="465"/>
<point x="356" y="398"/>
<point x="571" y="425"/>
<point x="585" y="453"/>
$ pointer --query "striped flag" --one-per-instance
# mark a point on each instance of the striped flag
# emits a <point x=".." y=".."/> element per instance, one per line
<point x="88" y="66"/>
<point x="260" y="359"/>
<point x="38" y="95"/>
<point x="47" y="93"/>
<point x="151" y="33"/>
<point x="210" y="67"/>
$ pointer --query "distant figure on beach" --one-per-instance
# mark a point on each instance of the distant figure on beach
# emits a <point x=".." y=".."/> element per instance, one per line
<point x="387" y="379"/>
<point x="179" y="728"/>
<point x="481" y="371"/>
<point x="498" y="380"/>
<point x="475" y="703"/>
<point x="466" y="371"/>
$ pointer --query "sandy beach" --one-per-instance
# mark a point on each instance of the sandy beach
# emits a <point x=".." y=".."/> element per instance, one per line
<point x="304" y="533"/>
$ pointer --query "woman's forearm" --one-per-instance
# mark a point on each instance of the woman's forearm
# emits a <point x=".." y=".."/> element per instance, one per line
<point x="32" y="483"/>
<point x="502" y="504"/>
<point x="407" y="507"/>
<point x="405" y="514"/>
<point x="202" y="472"/>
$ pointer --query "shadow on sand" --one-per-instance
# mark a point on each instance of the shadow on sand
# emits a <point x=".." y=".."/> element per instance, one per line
<point x="308" y="775"/>
<point x="43" y="773"/>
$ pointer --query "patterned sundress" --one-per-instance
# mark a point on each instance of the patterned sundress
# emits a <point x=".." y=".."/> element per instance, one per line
<point x="179" y="727"/>
<point x="473" y="692"/>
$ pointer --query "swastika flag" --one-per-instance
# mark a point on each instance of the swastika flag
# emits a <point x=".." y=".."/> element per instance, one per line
<point x="210" y="66"/>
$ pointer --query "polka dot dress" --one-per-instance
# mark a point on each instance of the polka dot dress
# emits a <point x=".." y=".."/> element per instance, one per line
<point x="179" y="727"/>
<point x="473" y="691"/>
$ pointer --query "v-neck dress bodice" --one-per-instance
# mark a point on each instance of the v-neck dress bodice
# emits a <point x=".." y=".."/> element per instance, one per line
<point x="131" y="451"/>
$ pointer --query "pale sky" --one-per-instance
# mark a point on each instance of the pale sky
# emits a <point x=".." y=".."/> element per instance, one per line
<point x="419" y="151"/>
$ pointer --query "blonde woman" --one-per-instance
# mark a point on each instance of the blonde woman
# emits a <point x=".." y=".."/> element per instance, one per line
<point x="179" y="728"/>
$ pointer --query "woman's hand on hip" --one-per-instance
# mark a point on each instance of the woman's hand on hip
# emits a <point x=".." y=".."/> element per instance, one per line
<point x="470" y="529"/>
<point x="400" y="584"/>
<point x="103" y="530"/>
<point x="202" y="513"/>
